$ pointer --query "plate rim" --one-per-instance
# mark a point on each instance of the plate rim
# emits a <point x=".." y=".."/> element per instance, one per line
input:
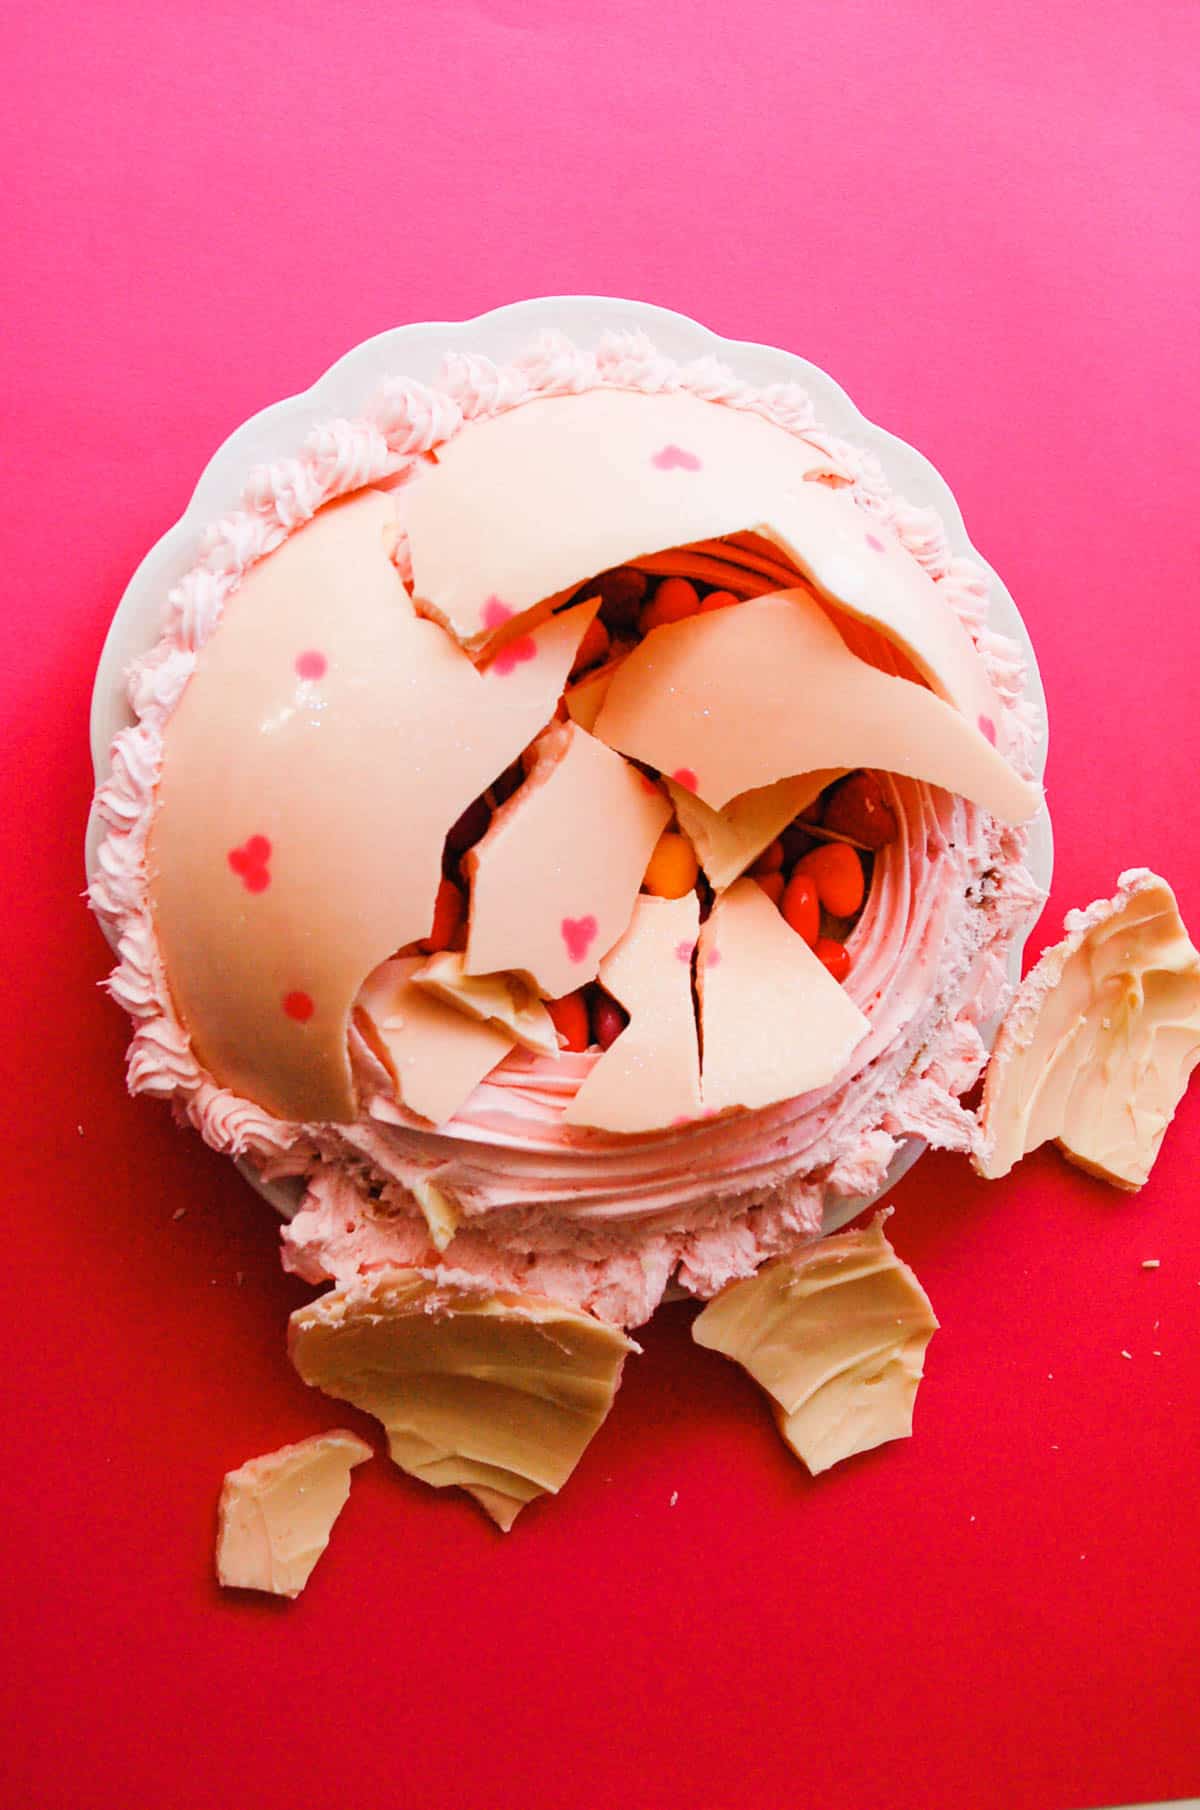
<point x="416" y="349"/>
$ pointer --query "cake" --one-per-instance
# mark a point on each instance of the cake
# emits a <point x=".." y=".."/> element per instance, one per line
<point x="573" y="832"/>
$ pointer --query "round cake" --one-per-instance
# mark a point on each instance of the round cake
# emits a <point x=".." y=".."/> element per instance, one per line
<point x="574" y="828"/>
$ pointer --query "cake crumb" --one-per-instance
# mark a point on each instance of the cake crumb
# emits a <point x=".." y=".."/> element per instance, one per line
<point x="1151" y="1263"/>
<point x="79" y="1129"/>
<point x="1127" y="1354"/>
<point x="674" y="1497"/>
<point x="1156" y="1354"/>
<point x="239" y="1277"/>
<point x="179" y="1213"/>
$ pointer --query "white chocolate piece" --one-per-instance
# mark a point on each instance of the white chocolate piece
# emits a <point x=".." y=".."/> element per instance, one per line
<point x="442" y="1215"/>
<point x="740" y="698"/>
<point x="862" y="567"/>
<point x="585" y="700"/>
<point x="773" y="1021"/>
<point x="505" y="1001"/>
<point x="555" y="878"/>
<point x="495" y="1394"/>
<point x="1096" y="1048"/>
<point x="435" y="1054"/>
<point x="728" y="840"/>
<point x="650" y="1077"/>
<point x="277" y="1512"/>
<point x="836" y="1335"/>
<point x="337" y="734"/>
<point x="614" y="474"/>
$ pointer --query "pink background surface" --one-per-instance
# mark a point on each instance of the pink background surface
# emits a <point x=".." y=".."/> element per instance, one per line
<point x="987" y="231"/>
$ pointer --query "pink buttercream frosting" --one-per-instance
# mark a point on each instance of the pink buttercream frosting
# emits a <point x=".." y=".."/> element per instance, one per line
<point x="602" y="1222"/>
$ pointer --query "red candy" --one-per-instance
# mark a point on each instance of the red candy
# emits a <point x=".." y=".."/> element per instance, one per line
<point x="570" y="1017"/>
<point x="718" y="600"/>
<point x="608" y="1020"/>
<point x="835" y="956"/>
<point x="622" y="593"/>
<point x="773" y="885"/>
<point x="802" y="908"/>
<point x="674" y="600"/>
<point x="836" y="872"/>
<point x="771" y="859"/>
<point x="857" y="808"/>
<point x="447" y="917"/>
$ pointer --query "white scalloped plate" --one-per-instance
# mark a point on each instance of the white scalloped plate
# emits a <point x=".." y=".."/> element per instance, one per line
<point x="417" y="351"/>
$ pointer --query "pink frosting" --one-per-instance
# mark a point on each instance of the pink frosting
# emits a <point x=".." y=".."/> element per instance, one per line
<point x="601" y="1222"/>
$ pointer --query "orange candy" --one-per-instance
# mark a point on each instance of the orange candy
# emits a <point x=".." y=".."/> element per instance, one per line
<point x="447" y="917"/>
<point x="773" y="885"/>
<point x="673" y="869"/>
<point x="718" y="600"/>
<point x="836" y="872"/>
<point x="594" y="646"/>
<point x="835" y="956"/>
<point x="674" y="599"/>
<point x="802" y="908"/>
<point x="570" y="1018"/>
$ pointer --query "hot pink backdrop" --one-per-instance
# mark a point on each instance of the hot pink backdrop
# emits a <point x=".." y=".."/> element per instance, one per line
<point x="984" y="222"/>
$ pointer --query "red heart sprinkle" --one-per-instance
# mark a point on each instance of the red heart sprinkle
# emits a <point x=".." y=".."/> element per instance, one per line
<point x="988" y="729"/>
<point x="675" y="458"/>
<point x="579" y="934"/>
<point x="683" y="776"/>
<point x="515" y="654"/>
<point x="496" y="613"/>
<point x="250" y="863"/>
<point x="312" y="664"/>
<point x="299" y="1006"/>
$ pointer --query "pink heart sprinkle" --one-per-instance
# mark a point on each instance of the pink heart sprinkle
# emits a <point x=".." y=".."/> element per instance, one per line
<point x="875" y="544"/>
<point x="250" y="863"/>
<point x="683" y="776"/>
<point x="579" y="934"/>
<point x="311" y="664"/>
<point x="515" y="654"/>
<point x="496" y="613"/>
<point x="299" y="1006"/>
<point x="713" y="957"/>
<point x="685" y="951"/>
<point x="675" y="458"/>
<point x="988" y="728"/>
